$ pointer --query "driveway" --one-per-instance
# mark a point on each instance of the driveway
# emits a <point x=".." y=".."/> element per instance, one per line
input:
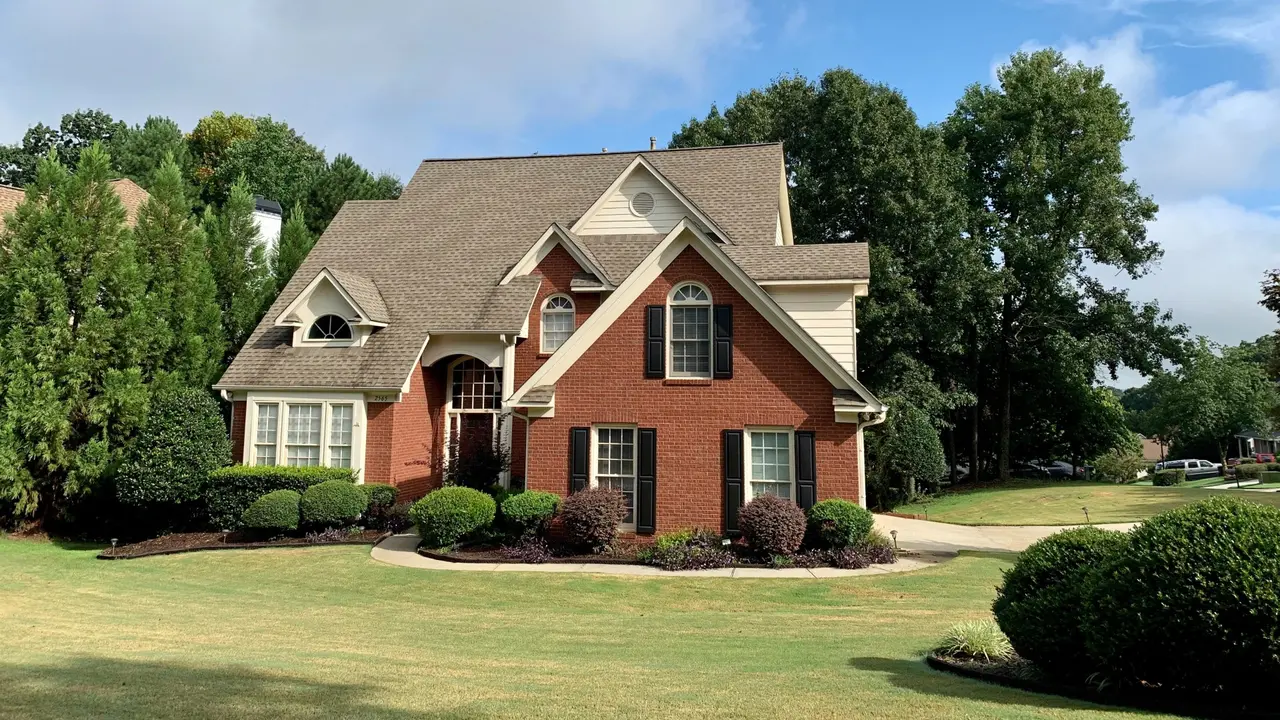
<point x="936" y="537"/>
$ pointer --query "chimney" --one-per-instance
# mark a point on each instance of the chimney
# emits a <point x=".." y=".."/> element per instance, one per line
<point x="653" y="142"/>
<point x="604" y="149"/>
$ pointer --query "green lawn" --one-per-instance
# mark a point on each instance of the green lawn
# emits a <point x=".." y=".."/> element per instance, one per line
<point x="1052" y="502"/>
<point x="328" y="632"/>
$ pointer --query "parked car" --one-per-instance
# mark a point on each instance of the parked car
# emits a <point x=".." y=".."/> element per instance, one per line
<point x="1265" y="457"/>
<point x="1045" y="469"/>
<point x="1195" y="469"/>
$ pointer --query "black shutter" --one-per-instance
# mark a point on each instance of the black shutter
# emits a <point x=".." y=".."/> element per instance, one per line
<point x="655" y="330"/>
<point x="579" y="458"/>
<point x="647" y="482"/>
<point x="806" y="470"/>
<point x="731" y="463"/>
<point x="723" y="342"/>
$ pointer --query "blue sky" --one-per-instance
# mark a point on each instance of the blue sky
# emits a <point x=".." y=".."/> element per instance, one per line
<point x="392" y="82"/>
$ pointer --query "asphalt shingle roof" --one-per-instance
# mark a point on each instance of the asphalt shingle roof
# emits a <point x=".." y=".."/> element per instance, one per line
<point x="365" y="292"/>
<point x="437" y="254"/>
<point x="841" y="261"/>
<point x="131" y="196"/>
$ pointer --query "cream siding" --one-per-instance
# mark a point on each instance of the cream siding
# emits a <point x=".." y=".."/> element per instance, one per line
<point x="614" y="216"/>
<point x="827" y="314"/>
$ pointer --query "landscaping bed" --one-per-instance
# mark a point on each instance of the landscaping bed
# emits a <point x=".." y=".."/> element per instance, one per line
<point x="192" y="541"/>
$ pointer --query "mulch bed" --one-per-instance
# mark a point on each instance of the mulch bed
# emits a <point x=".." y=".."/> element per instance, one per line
<point x="1022" y="675"/>
<point x="622" y="555"/>
<point x="190" y="542"/>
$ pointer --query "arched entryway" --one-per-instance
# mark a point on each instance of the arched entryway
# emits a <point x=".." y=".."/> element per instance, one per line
<point x="473" y="403"/>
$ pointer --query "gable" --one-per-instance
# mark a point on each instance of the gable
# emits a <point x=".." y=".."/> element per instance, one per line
<point x="621" y="214"/>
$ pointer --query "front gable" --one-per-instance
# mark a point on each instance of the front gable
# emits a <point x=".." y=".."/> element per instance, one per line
<point x="642" y="201"/>
<point x="354" y="299"/>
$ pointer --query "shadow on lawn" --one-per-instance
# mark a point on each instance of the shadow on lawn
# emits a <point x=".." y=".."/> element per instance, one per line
<point x="92" y="687"/>
<point x="914" y="675"/>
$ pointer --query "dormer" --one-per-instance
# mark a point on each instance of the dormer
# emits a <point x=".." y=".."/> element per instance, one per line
<point x="336" y="309"/>
<point x="642" y="201"/>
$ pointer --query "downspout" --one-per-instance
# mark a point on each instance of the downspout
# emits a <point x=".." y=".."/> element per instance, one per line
<point x="876" y="419"/>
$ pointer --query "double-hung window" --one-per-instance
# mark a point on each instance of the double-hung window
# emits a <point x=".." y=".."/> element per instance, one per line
<point x="615" y="466"/>
<point x="690" y="331"/>
<point x="302" y="444"/>
<point x="769" y="463"/>
<point x="266" y="437"/>
<point x="315" y="433"/>
<point x="341" y="418"/>
<point x="557" y="322"/>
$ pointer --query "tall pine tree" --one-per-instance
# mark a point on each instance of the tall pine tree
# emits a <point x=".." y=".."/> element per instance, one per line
<point x="295" y="242"/>
<point x="240" y="268"/>
<point x="181" y="292"/>
<point x="76" y="333"/>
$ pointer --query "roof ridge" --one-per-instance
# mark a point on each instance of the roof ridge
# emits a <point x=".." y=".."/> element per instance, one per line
<point x="593" y="154"/>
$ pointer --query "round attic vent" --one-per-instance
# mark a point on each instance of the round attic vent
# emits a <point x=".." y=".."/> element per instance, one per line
<point x="642" y="203"/>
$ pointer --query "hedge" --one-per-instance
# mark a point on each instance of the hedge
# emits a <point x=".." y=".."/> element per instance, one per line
<point x="1038" y="605"/>
<point x="1193" y="602"/>
<point x="838" y="523"/>
<point x="276" y="511"/>
<point x="1252" y="471"/>
<point x="332" y="504"/>
<point x="228" y="492"/>
<point x="1166" y="478"/>
<point x="1270" y="477"/>
<point x="449" y="514"/>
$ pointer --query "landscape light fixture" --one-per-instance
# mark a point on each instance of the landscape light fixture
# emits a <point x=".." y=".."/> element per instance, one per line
<point x="894" y="534"/>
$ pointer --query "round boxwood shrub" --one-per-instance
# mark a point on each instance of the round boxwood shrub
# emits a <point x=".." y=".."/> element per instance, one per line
<point x="772" y="526"/>
<point x="528" y="514"/>
<point x="447" y="515"/>
<point x="276" y="511"/>
<point x="1038" y="605"/>
<point x="1168" y="478"/>
<point x="333" y="503"/>
<point x="591" y="517"/>
<point x="184" y="440"/>
<point x="838" y="523"/>
<point x="1251" y="471"/>
<point x="1193" y="603"/>
<point x="380" y="495"/>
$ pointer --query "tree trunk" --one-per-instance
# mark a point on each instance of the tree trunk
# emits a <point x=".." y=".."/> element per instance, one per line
<point x="1006" y="386"/>
<point x="975" y="413"/>
<point x="951" y="446"/>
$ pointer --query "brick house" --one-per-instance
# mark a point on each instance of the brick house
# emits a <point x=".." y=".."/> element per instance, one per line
<point x="638" y="320"/>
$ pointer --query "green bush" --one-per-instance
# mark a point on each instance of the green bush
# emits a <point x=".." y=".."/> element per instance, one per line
<point x="1273" y="467"/>
<point x="687" y="550"/>
<point x="449" y="514"/>
<point x="1192" y="604"/>
<point x="380" y="495"/>
<point x="1118" y="466"/>
<point x="228" y="492"/>
<point x="1247" y="461"/>
<point x="277" y="511"/>
<point x="1038" y="605"/>
<point x="1270" y="477"/>
<point x="772" y="526"/>
<point x="975" y="640"/>
<point x="529" y="514"/>
<point x="183" y="441"/>
<point x="903" y="453"/>
<point x="591" y="517"/>
<point x="1167" y="478"/>
<point x="333" y="503"/>
<point x="1252" y="471"/>
<point x="838" y="523"/>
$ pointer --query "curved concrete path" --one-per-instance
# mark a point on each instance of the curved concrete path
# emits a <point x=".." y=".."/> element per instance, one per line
<point x="402" y="550"/>
<point x="936" y="537"/>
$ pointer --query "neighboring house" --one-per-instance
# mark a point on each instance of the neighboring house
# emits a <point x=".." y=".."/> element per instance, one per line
<point x="640" y="320"/>
<point x="1252" y="442"/>
<point x="131" y="196"/>
<point x="269" y="217"/>
<point x="1153" y="449"/>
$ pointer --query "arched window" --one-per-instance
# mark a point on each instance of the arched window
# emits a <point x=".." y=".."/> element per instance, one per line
<point x="476" y="386"/>
<point x="690" y="331"/>
<point x="329" y="327"/>
<point x="557" y="322"/>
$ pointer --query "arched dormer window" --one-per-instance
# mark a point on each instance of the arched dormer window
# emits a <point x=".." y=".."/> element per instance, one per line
<point x="690" y="345"/>
<point x="557" y="322"/>
<point x="330" y="327"/>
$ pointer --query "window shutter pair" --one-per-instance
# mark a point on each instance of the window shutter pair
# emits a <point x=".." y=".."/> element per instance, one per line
<point x="655" y="351"/>
<point x="646" y="472"/>
<point x="731" y="453"/>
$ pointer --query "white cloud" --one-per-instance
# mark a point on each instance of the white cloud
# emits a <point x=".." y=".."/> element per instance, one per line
<point x="390" y="80"/>
<point x="795" y="22"/>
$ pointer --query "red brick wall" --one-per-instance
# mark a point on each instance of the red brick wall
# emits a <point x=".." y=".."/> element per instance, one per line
<point x="772" y="384"/>
<point x="239" y="408"/>
<point x="403" y="440"/>
<point x="557" y="270"/>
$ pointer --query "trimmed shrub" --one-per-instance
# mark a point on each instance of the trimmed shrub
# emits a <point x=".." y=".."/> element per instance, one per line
<point x="396" y="519"/>
<point x="228" y="492"/>
<point x="1118" y="466"/>
<point x="1270" y="477"/>
<point x="1192" y="604"/>
<point x="277" y="511"/>
<point x="1273" y="466"/>
<point x="184" y="440"/>
<point x="380" y="495"/>
<point x="979" y="640"/>
<point x="1168" y="478"/>
<point x="333" y="503"/>
<point x="687" y="550"/>
<point x="1038" y="605"/>
<point x="449" y="514"/>
<point x="528" y="514"/>
<point x="591" y="517"/>
<point x="1252" y="471"/>
<point x="1247" y="461"/>
<point x="772" y="526"/>
<point x="838" y="523"/>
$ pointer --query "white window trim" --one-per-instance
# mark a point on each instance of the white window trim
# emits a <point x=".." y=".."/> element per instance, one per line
<point x="327" y="401"/>
<point x="747" y="493"/>
<point x="711" y="345"/>
<point x="306" y="340"/>
<point x="501" y="434"/>
<point x="571" y="311"/>
<point x="635" y="465"/>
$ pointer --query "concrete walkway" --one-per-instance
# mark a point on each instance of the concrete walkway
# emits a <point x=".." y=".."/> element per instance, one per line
<point x="936" y="537"/>
<point x="402" y="550"/>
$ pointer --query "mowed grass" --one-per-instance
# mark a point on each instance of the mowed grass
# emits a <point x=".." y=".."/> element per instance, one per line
<point x="1052" y="502"/>
<point x="328" y="632"/>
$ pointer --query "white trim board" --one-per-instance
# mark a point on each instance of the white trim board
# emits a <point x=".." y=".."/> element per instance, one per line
<point x="684" y="235"/>
<point x="325" y="274"/>
<point x="556" y="235"/>
<point x="641" y="162"/>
